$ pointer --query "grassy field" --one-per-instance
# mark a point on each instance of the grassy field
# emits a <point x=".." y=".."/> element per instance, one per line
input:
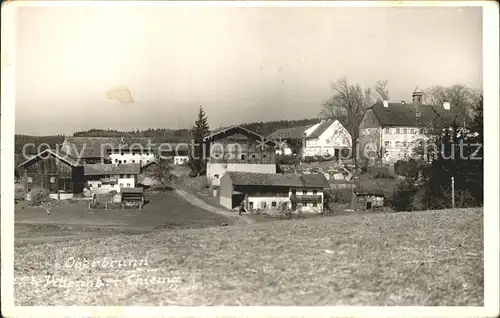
<point x="74" y="221"/>
<point x="417" y="258"/>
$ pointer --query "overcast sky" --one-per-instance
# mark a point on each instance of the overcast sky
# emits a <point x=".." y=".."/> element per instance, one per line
<point x="240" y="64"/>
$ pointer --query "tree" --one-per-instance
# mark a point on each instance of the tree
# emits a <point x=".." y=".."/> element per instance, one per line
<point x="349" y="103"/>
<point x="463" y="99"/>
<point x="161" y="172"/>
<point x="197" y="157"/>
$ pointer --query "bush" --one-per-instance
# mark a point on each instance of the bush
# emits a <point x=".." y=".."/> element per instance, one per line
<point x="407" y="168"/>
<point x="39" y="195"/>
<point x="408" y="197"/>
<point x="382" y="173"/>
<point x="287" y="160"/>
<point x="340" y="196"/>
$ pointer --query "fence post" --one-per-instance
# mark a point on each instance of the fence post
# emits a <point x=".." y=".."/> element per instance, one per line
<point x="452" y="192"/>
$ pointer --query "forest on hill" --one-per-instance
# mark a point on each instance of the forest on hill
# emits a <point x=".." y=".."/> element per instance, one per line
<point x="34" y="144"/>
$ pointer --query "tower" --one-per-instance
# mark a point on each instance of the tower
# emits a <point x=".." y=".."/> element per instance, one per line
<point x="417" y="96"/>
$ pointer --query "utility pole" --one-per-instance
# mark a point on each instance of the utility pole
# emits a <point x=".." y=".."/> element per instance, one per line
<point x="452" y="192"/>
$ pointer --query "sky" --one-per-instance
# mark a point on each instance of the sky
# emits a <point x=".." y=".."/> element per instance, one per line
<point x="241" y="64"/>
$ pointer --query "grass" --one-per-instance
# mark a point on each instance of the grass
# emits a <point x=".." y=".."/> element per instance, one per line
<point x="72" y="221"/>
<point x="417" y="258"/>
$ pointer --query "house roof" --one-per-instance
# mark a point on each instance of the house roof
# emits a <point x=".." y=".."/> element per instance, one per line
<point x="398" y="114"/>
<point x="68" y="159"/>
<point x="105" y="169"/>
<point x="233" y="130"/>
<point x="91" y="147"/>
<point x="290" y="133"/>
<point x="277" y="179"/>
<point x="320" y="129"/>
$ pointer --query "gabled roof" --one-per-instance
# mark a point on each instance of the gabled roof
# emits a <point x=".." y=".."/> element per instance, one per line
<point x="320" y="129"/>
<point x="68" y="159"/>
<point x="106" y="169"/>
<point x="278" y="179"/>
<point x="233" y="130"/>
<point x="398" y="114"/>
<point x="289" y="133"/>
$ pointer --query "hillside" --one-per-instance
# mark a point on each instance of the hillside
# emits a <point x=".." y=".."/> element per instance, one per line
<point x="422" y="258"/>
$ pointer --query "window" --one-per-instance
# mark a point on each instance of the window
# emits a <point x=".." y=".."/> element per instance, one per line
<point x="405" y="144"/>
<point x="315" y="192"/>
<point x="133" y="161"/>
<point x="124" y="161"/>
<point x="216" y="176"/>
<point x="388" y="131"/>
<point x="119" y="161"/>
<point x="116" y="160"/>
<point x="264" y="155"/>
<point x="412" y="131"/>
<point x="273" y="204"/>
<point x="294" y="191"/>
<point x="398" y="131"/>
<point x="253" y="155"/>
<point x="122" y="153"/>
<point x="121" y="185"/>
<point x="398" y="144"/>
<point x="264" y="205"/>
<point x="122" y="176"/>
<point x="242" y="157"/>
<point x="128" y="185"/>
<point x="98" y="185"/>
<point x="387" y="144"/>
<point x="304" y="192"/>
<point x="405" y="131"/>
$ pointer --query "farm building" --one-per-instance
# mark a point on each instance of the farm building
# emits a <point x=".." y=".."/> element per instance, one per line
<point x="270" y="190"/>
<point x="238" y="149"/>
<point x="176" y="153"/>
<point x="102" y="178"/>
<point x="59" y="173"/>
<point x="111" y="150"/>
<point x="367" y="200"/>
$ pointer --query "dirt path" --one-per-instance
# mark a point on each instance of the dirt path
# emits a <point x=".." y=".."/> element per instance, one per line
<point x="194" y="200"/>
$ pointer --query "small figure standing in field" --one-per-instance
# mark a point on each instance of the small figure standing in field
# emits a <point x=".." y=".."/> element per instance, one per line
<point x="242" y="208"/>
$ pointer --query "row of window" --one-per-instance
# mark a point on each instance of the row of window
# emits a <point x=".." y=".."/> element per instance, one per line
<point x="304" y="192"/>
<point x="218" y="155"/>
<point x="399" y="144"/>
<point x="403" y="131"/>
<point x="121" y="185"/>
<point x="125" y="161"/>
<point x="274" y="204"/>
<point x="133" y="153"/>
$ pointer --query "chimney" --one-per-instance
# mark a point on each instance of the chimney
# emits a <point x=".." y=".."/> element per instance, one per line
<point x="386" y="103"/>
<point x="446" y="105"/>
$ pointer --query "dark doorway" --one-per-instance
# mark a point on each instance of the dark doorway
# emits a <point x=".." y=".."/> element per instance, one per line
<point x="237" y="199"/>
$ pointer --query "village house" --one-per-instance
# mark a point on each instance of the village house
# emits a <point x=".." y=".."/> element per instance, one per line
<point x="175" y="153"/>
<point x="237" y="149"/>
<point x="112" y="150"/>
<point x="326" y="138"/>
<point x="270" y="190"/>
<point x="104" y="178"/>
<point x="390" y="131"/>
<point x="59" y="173"/>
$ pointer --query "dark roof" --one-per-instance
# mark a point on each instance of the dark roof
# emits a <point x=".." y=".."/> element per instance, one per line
<point x="68" y="159"/>
<point x="278" y="179"/>
<point x="91" y="147"/>
<point x="290" y="133"/>
<point x="233" y="130"/>
<point x="132" y="190"/>
<point x="398" y="114"/>
<point x="104" y="169"/>
<point x="321" y="128"/>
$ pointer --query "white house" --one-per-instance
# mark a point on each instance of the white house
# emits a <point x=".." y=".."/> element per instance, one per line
<point x="391" y="131"/>
<point x="269" y="190"/>
<point x="325" y="138"/>
<point x="104" y="178"/>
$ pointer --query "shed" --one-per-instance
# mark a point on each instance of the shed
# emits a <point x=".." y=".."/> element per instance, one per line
<point x="135" y="195"/>
<point x="367" y="200"/>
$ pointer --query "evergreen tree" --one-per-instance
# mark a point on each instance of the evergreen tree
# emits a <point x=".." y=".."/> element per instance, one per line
<point x="197" y="157"/>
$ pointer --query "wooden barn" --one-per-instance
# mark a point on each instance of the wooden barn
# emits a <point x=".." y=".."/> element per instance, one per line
<point x="57" y="172"/>
<point x="367" y="200"/>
